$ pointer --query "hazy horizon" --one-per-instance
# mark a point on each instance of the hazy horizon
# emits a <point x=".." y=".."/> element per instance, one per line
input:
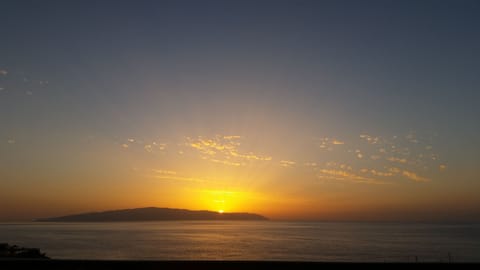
<point x="295" y="110"/>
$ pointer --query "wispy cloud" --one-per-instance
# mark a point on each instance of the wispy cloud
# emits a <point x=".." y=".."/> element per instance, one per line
<point x="327" y="143"/>
<point x="368" y="159"/>
<point x="224" y="150"/>
<point x="226" y="162"/>
<point x="413" y="176"/>
<point x="212" y="146"/>
<point x="377" y="154"/>
<point x="180" y="178"/>
<point x="176" y="176"/>
<point x="370" y="139"/>
<point x="347" y="176"/>
<point x="287" y="163"/>
<point x="165" y="172"/>
<point x="342" y="166"/>
<point x="150" y="147"/>
<point x="398" y="160"/>
<point x="160" y="146"/>
<point x="381" y="174"/>
<point x="250" y="156"/>
<point x="3" y="72"/>
<point x="232" y="137"/>
<point x="394" y="170"/>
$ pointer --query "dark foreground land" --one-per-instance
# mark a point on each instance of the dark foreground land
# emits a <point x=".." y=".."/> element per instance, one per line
<point x="139" y="265"/>
<point x="15" y="252"/>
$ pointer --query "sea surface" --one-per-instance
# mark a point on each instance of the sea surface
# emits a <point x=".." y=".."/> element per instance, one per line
<point x="249" y="240"/>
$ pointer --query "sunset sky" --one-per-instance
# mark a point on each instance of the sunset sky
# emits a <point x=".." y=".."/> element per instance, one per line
<point x="299" y="110"/>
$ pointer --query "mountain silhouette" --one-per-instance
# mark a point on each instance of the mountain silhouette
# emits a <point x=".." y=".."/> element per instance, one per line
<point x="152" y="214"/>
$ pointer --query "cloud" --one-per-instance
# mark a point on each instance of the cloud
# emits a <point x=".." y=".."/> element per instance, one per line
<point x="347" y="176"/>
<point x="180" y="178"/>
<point x="212" y="146"/>
<point x="342" y="166"/>
<point x="165" y="172"/>
<point x="413" y="176"/>
<point x="250" y="156"/>
<point x="11" y="141"/>
<point x="377" y="154"/>
<point x="370" y="139"/>
<point x="398" y="160"/>
<point x="382" y="174"/>
<point x="3" y="72"/>
<point x="328" y="143"/>
<point x="148" y="147"/>
<point x="223" y="149"/>
<point x="287" y="163"/>
<point x="232" y="137"/>
<point x="154" y="146"/>
<point x="226" y="162"/>
<point x="394" y="170"/>
<point x="176" y="176"/>
<point x="160" y="146"/>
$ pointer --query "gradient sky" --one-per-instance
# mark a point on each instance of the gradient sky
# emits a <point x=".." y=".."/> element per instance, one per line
<point x="311" y="110"/>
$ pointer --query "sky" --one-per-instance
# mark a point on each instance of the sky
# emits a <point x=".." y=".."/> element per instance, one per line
<point x="296" y="110"/>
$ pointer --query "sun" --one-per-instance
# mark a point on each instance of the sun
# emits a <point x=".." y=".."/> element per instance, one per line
<point x="220" y="211"/>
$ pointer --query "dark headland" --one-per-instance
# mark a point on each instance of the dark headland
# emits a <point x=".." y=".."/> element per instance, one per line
<point x="152" y="214"/>
<point x="16" y="252"/>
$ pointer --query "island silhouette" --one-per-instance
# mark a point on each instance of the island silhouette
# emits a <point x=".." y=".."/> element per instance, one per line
<point x="152" y="214"/>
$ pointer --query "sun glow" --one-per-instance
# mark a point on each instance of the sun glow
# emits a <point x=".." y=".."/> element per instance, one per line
<point x="223" y="200"/>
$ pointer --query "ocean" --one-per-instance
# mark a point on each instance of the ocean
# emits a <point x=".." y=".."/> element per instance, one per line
<point x="249" y="240"/>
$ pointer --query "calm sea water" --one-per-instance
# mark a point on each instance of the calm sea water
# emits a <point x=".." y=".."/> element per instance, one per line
<point x="249" y="240"/>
